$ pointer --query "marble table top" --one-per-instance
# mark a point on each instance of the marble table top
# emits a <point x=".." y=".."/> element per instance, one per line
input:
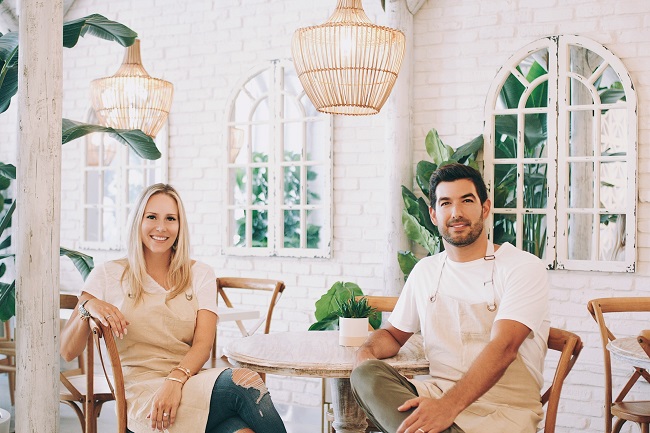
<point x="314" y="353"/>
<point x="628" y="350"/>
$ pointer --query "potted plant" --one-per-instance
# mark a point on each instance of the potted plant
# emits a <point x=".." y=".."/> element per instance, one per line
<point x="354" y="315"/>
<point x="344" y="300"/>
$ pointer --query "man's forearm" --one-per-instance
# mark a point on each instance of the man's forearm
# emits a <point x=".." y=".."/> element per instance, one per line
<point x="379" y="345"/>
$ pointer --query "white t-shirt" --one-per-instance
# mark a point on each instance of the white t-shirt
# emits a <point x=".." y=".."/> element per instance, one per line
<point x="104" y="282"/>
<point x="520" y="290"/>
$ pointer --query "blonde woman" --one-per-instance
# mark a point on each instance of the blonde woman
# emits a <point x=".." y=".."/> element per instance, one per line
<point x="162" y="306"/>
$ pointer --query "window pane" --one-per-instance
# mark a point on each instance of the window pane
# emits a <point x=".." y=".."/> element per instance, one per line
<point x="292" y="185"/>
<point x="612" y="237"/>
<point x="260" y="226"/>
<point x="613" y="185"/>
<point x="580" y="234"/>
<point x="505" y="136"/>
<point x="260" y="137"/>
<point x="293" y="109"/>
<point x="505" y="228"/>
<point x="294" y="140"/>
<point x="261" y="112"/>
<point x="235" y="143"/>
<point x="292" y="229"/>
<point x="92" y="225"/>
<point x="583" y="61"/>
<point x="535" y="186"/>
<point x="505" y="181"/>
<point x="238" y="185"/>
<point x="315" y="184"/>
<point x="535" y="135"/>
<point x="539" y="96"/>
<point x="110" y="225"/>
<point x="260" y="185"/>
<point x="581" y="137"/>
<point x="92" y="187"/>
<point x="534" y="238"/>
<point x="613" y="133"/>
<point x="581" y="185"/>
<point x="316" y="149"/>
<point x="237" y="222"/>
<point x="315" y="221"/>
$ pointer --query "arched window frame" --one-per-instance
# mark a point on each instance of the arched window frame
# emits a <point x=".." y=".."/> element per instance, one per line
<point x="558" y="160"/>
<point x="238" y="133"/>
<point x="125" y="166"/>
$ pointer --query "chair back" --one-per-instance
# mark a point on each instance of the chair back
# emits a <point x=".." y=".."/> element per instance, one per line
<point x="569" y="345"/>
<point x="383" y="304"/>
<point x="638" y="411"/>
<point x="115" y="380"/>
<point x="275" y="287"/>
<point x="81" y="389"/>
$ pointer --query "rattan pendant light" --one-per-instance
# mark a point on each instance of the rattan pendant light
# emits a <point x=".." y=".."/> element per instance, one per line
<point x="132" y="99"/>
<point x="348" y="65"/>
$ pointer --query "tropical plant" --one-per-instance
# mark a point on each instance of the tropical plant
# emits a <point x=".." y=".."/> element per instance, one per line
<point x="139" y="142"/>
<point x="415" y="215"/>
<point x="260" y="194"/>
<point x="341" y="301"/>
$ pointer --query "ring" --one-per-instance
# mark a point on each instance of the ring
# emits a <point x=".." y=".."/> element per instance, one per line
<point x="108" y="317"/>
<point x="164" y="414"/>
<point x="421" y="430"/>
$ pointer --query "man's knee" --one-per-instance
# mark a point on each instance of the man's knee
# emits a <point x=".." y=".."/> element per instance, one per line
<point x="367" y="376"/>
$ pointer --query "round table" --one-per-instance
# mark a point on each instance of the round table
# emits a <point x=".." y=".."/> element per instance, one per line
<point x="628" y="350"/>
<point x="318" y="354"/>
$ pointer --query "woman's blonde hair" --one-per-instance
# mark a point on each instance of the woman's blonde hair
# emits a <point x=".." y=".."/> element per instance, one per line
<point x="179" y="277"/>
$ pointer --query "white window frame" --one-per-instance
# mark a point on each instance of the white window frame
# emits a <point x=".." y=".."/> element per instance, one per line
<point x="557" y="158"/>
<point x="276" y="164"/>
<point x="122" y="206"/>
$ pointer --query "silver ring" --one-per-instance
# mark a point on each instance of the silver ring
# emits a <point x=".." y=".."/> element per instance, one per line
<point x="421" y="430"/>
<point x="108" y="317"/>
<point x="165" y="415"/>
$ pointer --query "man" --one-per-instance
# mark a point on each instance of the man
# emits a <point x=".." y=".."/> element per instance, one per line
<point x="483" y="313"/>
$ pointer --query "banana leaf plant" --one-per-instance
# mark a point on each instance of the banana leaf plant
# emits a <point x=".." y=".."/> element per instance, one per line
<point x="140" y="143"/>
<point x="415" y="215"/>
<point x="328" y="307"/>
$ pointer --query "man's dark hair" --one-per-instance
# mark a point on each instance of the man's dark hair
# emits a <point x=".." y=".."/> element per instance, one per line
<point x="456" y="171"/>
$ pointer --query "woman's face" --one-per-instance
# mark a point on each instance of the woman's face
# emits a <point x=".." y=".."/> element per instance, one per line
<point x="160" y="224"/>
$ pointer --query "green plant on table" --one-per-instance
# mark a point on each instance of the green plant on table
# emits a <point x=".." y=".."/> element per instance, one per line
<point x="341" y="301"/>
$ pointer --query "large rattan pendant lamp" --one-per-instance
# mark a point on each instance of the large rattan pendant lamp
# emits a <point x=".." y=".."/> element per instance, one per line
<point x="132" y="99"/>
<point x="348" y="65"/>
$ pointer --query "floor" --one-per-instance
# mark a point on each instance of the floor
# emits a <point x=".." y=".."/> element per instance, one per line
<point x="296" y="419"/>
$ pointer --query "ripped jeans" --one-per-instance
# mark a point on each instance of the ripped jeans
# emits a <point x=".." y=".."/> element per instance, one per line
<point x="240" y="400"/>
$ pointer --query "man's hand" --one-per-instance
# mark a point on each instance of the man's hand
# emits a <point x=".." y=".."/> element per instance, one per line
<point x="430" y="415"/>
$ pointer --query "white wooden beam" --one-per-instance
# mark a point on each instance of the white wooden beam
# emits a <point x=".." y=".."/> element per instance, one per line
<point x="37" y="215"/>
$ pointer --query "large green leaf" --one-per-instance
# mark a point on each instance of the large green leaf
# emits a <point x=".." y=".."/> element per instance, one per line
<point x="407" y="262"/>
<point x="8" y="170"/>
<point x="7" y="300"/>
<point x="469" y="150"/>
<point x="99" y="26"/>
<point x="6" y="218"/>
<point x="328" y="323"/>
<point x="138" y="141"/>
<point x="9" y="49"/>
<point x="423" y="173"/>
<point x="437" y="150"/>
<point x="418" y="233"/>
<point x="8" y="69"/>
<point x="341" y="291"/>
<point x="84" y="263"/>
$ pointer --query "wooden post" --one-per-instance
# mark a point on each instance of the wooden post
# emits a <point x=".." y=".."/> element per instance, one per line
<point x="399" y="149"/>
<point x="37" y="217"/>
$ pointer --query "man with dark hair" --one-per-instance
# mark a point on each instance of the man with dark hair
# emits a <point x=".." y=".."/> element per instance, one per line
<point x="483" y="313"/>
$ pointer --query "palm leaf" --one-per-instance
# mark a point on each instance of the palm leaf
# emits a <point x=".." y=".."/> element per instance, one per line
<point x="84" y="263"/>
<point x="423" y="173"/>
<point x="468" y="150"/>
<point x="407" y="262"/>
<point x="99" y="26"/>
<point x="7" y="300"/>
<point x="8" y="69"/>
<point x="437" y="150"/>
<point x="138" y="141"/>
<point x="6" y="218"/>
<point x="418" y="233"/>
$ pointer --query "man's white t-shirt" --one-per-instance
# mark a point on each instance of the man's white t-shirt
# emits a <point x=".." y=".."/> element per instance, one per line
<point x="520" y="291"/>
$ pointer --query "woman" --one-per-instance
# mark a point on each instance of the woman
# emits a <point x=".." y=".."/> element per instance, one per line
<point x="162" y="306"/>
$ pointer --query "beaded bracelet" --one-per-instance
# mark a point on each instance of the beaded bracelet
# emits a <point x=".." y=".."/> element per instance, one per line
<point x="175" y="380"/>
<point x="186" y="371"/>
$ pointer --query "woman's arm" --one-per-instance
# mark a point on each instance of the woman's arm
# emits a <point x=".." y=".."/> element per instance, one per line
<point x="168" y="396"/>
<point x="75" y="332"/>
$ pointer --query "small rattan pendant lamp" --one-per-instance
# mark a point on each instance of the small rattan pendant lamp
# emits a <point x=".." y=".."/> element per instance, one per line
<point x="348" y="65"/>
<point x="132" y="99"/>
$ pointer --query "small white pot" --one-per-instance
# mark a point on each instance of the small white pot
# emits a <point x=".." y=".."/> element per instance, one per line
<point x="353" y="331"/>
<point x="5" y="419"/>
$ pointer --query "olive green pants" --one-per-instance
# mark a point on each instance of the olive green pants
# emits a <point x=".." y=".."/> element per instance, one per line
<point x="380" y="390"/>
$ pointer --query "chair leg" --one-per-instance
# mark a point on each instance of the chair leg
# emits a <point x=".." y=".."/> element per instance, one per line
<point x="12" y="387"/>
<point x="618" y="425"/>
<point x="644" y="427"/>
<point x="80" y="415"/>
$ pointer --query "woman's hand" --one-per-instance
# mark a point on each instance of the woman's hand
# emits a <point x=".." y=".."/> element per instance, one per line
<point x="165" y="404"/>
<point x="108" y="314"/>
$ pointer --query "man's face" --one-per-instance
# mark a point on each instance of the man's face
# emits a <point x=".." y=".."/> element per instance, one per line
<point x="458" y="212"/>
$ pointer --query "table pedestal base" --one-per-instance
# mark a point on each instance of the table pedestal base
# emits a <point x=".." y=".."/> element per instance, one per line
<point x="348" y="415"/>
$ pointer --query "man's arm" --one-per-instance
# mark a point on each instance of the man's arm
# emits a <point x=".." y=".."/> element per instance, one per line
<point x="438" y="414"/>
<point x="382" y="343"/>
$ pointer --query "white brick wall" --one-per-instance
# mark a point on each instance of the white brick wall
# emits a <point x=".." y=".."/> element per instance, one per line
<point x="205" y="48"/>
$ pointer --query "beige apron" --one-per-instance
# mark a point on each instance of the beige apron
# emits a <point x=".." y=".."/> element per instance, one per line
<point x="455" y="333"/>
<point x="160" y="334"/>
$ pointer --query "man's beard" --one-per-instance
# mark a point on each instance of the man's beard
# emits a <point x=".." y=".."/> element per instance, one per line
<point x="475" y="231"/>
